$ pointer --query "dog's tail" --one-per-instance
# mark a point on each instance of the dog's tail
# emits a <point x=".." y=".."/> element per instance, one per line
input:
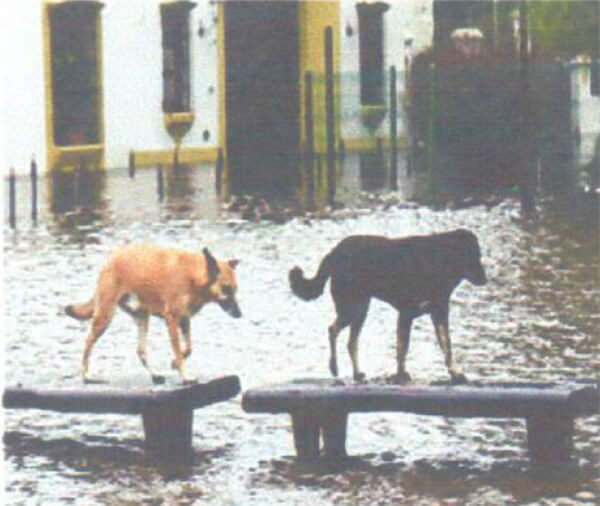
<point x="82" y="311"/>
<point x="309" y="289"/>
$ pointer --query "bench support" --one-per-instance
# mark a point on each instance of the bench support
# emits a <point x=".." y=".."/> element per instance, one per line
<point x="308" y="425"/>
<point x="168" y="432"/>
<point x="550" y="439"/>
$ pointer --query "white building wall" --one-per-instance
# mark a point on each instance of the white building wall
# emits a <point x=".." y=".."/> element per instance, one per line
<point x="22" y="109"/>
<point x="133" y="79"/>
<point x="404" y="19"/>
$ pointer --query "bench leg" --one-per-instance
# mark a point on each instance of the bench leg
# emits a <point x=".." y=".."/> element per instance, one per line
<point x="306" y="434"/>
<point x="334" y="426"/>
<point x="550" y="439"/>
<point x="168" y="431"/>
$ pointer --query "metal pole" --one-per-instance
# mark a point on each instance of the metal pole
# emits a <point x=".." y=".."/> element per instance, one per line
<point x="393" y="130"/>
<point x="159" y="182"/>
<point x="310" y="141"/>
<point x="329" y="106"/>
<point x="12" y="198"/>
<point x="34" y="192"/>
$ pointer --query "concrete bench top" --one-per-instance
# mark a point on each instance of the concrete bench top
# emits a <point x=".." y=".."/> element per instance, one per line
<point x="91" y="399"/>
<point x="508" y="400"/>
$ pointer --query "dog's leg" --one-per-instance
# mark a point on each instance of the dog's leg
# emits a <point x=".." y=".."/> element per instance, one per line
<point x="334" y="330"/>
<point x="440" y="322"/>
<point x="402" y="343"/>
<point x="173" y="326"/>
<point x="142" y="318"/>
<point x="355" y="328"/>
<point x="184" y="325"/>
<point x="100" y="322"/>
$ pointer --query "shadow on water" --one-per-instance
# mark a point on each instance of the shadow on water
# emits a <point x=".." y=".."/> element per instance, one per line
<point x="362" y="479"/>
<point x="103" y="458"/>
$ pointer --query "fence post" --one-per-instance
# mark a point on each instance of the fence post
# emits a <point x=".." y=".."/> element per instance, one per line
<point x="131" y="164"/>
<point x="393" y="130"/>
<point x="34" y="192"/>
<point x="219" y="171"/>
<point x="159" y="182"/>
<point x="310" y="141"/>
<point x="330" y="109"/>
<point x="12" y="198"/>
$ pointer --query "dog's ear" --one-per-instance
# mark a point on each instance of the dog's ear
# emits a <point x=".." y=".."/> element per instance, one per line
<point x="233" y="263"/>
<point x="211" y="265"/>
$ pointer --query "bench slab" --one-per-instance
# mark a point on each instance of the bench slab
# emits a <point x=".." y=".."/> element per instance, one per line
<point x="167" y="414"/>
<point x="321" y="407"/>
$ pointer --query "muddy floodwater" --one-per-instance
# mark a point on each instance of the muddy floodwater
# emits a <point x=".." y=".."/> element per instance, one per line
<point x="536" y="320"/>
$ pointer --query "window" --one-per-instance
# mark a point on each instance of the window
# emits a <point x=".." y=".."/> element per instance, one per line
<point x="76" y="93"/>
<point x="176" y="56"/>
<point x="370" y="28"/>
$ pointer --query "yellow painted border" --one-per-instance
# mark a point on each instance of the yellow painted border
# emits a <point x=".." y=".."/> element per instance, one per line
<point x="186" y="156"/>
<point x="221" y="77"/>
<point x="67" y="157"/>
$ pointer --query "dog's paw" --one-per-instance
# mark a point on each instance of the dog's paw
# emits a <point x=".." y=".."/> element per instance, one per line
<point x="401" y="378"/>
<point x="158" y="379"/>
<point x="333" y="368"/>
<point x="459" y="379"/>
<point x="360" y="377"/>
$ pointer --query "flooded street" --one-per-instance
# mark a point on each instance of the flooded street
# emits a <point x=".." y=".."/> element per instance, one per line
<point x="536" y="320"/>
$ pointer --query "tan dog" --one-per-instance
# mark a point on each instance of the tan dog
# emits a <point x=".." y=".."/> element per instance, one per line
<point x="169" y="283"/>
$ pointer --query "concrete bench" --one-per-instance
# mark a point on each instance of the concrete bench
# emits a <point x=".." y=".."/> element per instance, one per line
<point x="322" y="407"/>
<point x="167" y="415"/>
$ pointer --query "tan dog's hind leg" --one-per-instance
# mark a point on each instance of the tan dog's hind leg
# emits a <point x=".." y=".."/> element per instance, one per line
<point x="100" y="322"/>
<point x="179" y="362"/>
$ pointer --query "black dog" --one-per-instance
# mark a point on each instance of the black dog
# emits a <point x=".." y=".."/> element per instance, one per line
<point x="416" y="275"/>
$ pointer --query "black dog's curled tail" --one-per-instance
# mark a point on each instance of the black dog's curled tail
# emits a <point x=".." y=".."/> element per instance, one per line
<point x="309" y="289"/>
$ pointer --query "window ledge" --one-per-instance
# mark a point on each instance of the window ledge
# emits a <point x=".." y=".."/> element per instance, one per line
<point x="178" y="124"/>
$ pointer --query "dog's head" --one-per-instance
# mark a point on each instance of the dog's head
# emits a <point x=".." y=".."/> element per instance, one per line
<point x="471" y="255"/>
<point x="222" y="283"/>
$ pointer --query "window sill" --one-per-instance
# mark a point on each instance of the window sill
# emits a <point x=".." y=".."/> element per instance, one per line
<point x="178" y="124"/>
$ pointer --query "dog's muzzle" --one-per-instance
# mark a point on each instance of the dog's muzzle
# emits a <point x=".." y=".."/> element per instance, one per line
<point x="230" y="306"/>
<point x="477" y="276"/>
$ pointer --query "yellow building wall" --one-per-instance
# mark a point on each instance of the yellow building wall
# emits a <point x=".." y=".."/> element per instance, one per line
<point x="313" y="18"/>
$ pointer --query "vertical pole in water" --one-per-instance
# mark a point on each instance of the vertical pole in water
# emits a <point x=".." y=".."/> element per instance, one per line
<point x="131" y="164"/>
<point x="310" y="141"/>
<point x="219" y="172"/>
<point x="159" y="182"/>
<point x="432" y="122"/>
<point x="34" y="177"/>
<point x="393" y="130"/>
<point x="329" y="107"/>
<point x="527" y="174"/>
<point x="12" y="198"/>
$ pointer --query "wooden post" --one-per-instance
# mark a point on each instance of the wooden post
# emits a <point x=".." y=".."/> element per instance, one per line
<point x="168" y="432"/>
<point x="34" y="192"/>
<point x="393" y="131"/>
<point x="526" y="140"/>
<point x="219" y="171"/>
<point x="159" y="182"/>
<point x="310" y="141"/>
<point x="131" y="164"/>
<point x="12" y="198"/>
<point x="306" y="434"/>
<point x="329" y="108"/>
<point x="550" y="439"/>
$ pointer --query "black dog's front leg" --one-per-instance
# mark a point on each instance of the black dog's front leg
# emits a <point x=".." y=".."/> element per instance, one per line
<point x="439" y="317"/>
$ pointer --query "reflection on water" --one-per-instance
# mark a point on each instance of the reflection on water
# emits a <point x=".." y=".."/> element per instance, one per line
<point x="536" y="320"/>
